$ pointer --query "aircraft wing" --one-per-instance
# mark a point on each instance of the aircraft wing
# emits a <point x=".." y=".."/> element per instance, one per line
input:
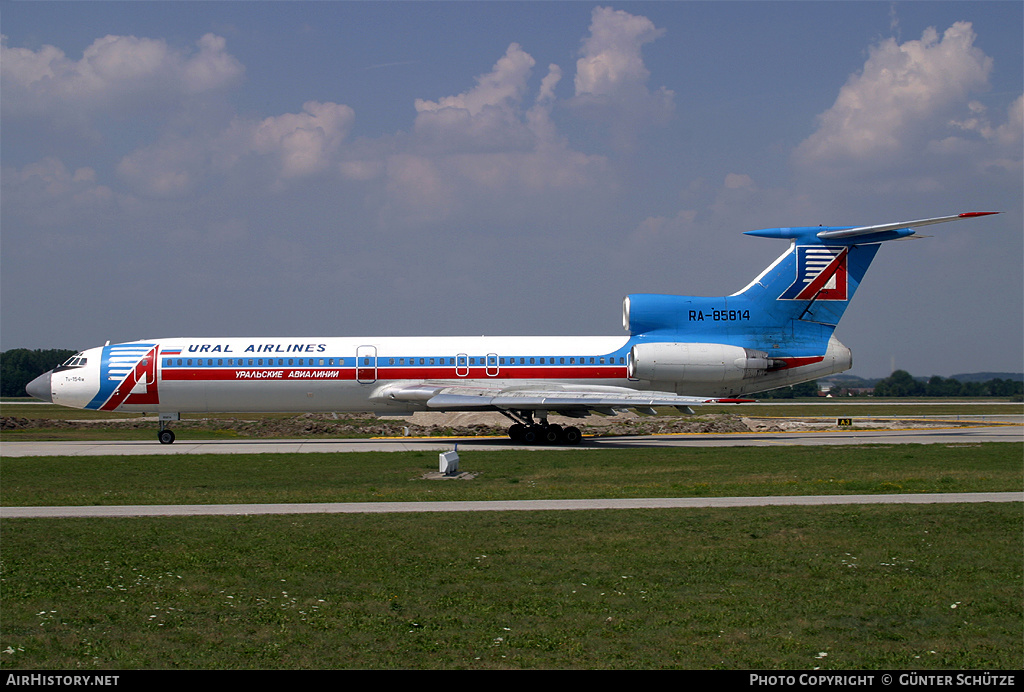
<point x="569" y="400"/>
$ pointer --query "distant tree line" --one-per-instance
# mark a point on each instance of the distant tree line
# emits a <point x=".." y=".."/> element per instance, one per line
<point x="19" y="366"/>
<point x="804" y="389"/>
<point x="901" y="383"/>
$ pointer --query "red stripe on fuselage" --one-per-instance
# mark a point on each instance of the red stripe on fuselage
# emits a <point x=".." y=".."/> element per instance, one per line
<point x="607" y="372"/>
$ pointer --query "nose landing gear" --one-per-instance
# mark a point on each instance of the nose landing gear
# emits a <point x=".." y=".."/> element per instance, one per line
<point x="165" y="434"/>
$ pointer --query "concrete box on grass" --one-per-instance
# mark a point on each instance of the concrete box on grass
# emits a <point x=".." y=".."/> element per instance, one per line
<point x="448" y="463"/>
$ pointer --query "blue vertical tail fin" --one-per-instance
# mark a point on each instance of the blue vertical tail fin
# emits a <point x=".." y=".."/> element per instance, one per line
<point x="792" y="307"/>
<point x="813" y="281"/>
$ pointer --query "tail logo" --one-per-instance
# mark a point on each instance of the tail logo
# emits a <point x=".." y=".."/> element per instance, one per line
<point x="820" y="274"/>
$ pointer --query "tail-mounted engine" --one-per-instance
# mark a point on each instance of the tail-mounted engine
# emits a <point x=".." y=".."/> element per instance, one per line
<point x="683" y="362"/>
<point x="644" y="312"/>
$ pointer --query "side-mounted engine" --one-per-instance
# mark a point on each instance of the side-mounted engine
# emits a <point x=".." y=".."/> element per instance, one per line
<point x="693" y="362"/>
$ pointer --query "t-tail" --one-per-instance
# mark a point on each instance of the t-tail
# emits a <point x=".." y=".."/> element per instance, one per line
<point x="776" y="331"/>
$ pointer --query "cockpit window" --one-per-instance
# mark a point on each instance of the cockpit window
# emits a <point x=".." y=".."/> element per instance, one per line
<point x="75" y="361"/>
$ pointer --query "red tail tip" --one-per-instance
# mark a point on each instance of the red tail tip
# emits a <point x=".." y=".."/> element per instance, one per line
<point x="969" y="214"/>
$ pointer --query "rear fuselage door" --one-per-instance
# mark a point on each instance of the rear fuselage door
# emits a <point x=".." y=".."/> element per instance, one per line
<point x="366" y="364"/>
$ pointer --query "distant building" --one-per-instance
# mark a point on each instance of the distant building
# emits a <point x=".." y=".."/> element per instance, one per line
<point x="836" y="389"/>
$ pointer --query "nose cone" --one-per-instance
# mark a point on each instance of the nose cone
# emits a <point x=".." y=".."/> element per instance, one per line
<point x="40" y="387"/>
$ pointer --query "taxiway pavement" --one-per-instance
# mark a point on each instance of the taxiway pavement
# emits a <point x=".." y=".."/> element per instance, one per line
<point x="497" y="506"/>
<point x="954" y="435"/>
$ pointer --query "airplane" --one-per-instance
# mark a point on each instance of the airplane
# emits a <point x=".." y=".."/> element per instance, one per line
<point x="680" y="351"/>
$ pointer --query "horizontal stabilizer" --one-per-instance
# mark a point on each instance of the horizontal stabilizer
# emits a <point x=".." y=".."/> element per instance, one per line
<point x="878" y="233"/>
<point x="871" y="230"/>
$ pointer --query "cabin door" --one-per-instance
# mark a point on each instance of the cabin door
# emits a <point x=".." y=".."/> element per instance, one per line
<point x="366" y="364"/>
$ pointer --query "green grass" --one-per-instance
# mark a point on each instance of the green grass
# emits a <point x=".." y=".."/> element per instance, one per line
<point x="884" y="587"/>
<point x="915" y="587"/>
<point x="510" y="475"/>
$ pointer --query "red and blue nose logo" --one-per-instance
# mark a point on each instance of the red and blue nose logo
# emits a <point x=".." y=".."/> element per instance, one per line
<point x="127" y="376"/>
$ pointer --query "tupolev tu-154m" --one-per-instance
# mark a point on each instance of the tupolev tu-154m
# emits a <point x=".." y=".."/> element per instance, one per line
<point x="680" y="351"/>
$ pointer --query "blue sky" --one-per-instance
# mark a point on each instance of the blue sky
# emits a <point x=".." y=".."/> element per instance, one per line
<point x="386" y="168"/>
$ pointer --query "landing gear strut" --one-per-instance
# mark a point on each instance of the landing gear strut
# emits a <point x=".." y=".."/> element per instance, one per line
<point x="526" y="430"/>
<point x="165" y="434"/>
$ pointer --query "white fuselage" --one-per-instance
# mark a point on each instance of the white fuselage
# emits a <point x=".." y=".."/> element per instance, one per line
<point x="353" y="374"/>
<point x="321" y="374"/>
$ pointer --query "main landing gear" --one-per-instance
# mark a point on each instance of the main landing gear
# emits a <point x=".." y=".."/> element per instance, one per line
<point x="527" y="431"/>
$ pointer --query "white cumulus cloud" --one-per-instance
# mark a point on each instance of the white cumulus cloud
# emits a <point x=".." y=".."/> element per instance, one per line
<point x="305" y="142"/>
<point x="112" y="72"/>
<point x="611" y="59"/>
<point x="906" y="96"/>
<point x="611" y="77"/>
<point x="502" y="87"/>
<point x="486" y="147"/>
